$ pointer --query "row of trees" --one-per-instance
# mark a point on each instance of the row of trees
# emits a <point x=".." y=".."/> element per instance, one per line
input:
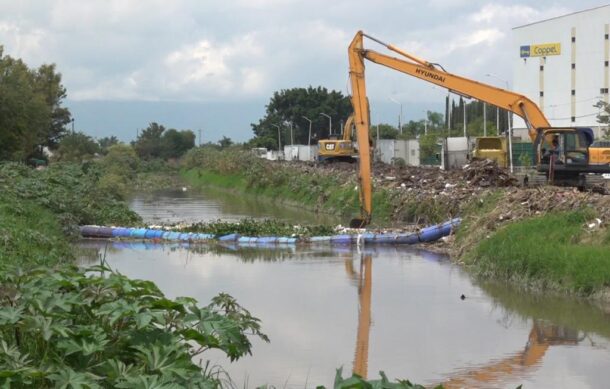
<point x="289" y="110"/>
<point x="153" y="142"/>
<point x="31" y="112"/>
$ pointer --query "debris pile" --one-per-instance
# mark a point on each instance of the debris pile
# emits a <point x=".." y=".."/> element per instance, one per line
<point x="522" y="203"/>
<point x="486" y="173"/>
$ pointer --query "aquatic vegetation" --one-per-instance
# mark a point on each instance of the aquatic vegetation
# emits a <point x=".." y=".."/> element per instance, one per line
<point x="254" y="227"/>
<point x="94" y="328"/>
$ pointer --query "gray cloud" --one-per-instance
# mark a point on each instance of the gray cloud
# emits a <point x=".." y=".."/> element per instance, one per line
<point x="243" y="50"/>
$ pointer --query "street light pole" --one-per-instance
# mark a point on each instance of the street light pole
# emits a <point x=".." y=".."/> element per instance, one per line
<point x="464" y="118"/>
<point x="279" y="141"/>
<point x="330" y="123"/>
<point x="400" y="115"/>
<point x="72" y="126"/>
<point x="309" y="138"/>
<point x="291" y="136"/>
<point x="484" y="118"/>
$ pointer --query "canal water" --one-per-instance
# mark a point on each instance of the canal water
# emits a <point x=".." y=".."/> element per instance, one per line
<point x="404" y="311"/>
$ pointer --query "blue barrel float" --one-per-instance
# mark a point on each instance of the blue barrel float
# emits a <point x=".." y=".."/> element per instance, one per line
<point x="426" y="234"/>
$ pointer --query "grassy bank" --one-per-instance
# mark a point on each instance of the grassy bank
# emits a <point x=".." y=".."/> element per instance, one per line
<point x="544" y="240"/>
<point x="551" y="251"/>
<point x="331" y="190"/>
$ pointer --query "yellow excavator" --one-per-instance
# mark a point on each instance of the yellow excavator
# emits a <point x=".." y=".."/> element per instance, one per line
<point x="562" y="153"/>
<point x="343" y="150"/>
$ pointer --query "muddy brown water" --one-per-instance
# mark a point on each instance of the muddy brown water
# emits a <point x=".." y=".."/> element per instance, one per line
<point x="393" y="309"/>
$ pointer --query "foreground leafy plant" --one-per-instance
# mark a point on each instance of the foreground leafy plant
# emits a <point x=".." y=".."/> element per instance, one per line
<point x="95" y="329"/>
<point x="357" y="382"/>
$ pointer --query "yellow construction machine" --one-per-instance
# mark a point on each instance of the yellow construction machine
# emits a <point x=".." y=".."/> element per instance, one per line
<point x="562" y="154"/>
<point x="331" y="150"/>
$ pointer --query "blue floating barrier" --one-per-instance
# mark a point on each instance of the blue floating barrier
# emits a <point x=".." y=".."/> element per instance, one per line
<point x="206" y="236"/>
<point x="341" y="239"/>
<point x="433" y="233"/>
<point x="165" y="235"/>
<point x="124" y="232"/>
<point x="244" y="239"/>
<point x="368" y="237"/>
<point x="149" y="234"/>
<point x="173" y="236"/>
<point x="385" y="238"/>
<point x="138" y="233"/>
<point x="408" y="238"/>
<point x="88" y="231"/>
<point x="184" y="237"/>
<point x="267" y="240"/>
<point x="229" y="238"/>
<point x="320" y="239"/>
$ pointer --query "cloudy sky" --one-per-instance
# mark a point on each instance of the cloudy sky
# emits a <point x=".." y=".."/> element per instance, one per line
<point x="214" y="64"/>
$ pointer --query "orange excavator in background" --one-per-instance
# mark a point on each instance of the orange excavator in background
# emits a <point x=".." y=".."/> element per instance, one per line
<point x="562" y="153"/>
<point x="343" y="150"/>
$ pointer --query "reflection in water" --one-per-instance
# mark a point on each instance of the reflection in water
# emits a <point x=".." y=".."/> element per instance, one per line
<point x="422" y="330"/>
<point x="365" y="287"/>
<point x="542" y="335"/>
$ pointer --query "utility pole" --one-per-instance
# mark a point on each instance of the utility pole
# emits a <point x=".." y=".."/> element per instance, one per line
<point x="279" y="141"/>
<point x="330" y="123"/>
<point x="465" y="135"/>
<point x="484" y="119"/>
<point x="309" y="138"/>
<point x="200" y="137"/>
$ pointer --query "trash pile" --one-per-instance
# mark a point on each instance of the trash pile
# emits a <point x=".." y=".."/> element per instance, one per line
<point x="486" y="173"/>
<point x="521" y="203"/>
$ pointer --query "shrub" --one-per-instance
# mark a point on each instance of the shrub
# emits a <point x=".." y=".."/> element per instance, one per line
<point x="95" y="328"/>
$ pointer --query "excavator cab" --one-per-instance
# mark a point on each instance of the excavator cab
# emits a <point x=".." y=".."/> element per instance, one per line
<point x="564" y="157"/>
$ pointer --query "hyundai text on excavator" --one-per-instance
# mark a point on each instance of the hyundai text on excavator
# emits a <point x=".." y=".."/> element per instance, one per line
<point x="562" y="153"/>
<point x="343" y="149"/>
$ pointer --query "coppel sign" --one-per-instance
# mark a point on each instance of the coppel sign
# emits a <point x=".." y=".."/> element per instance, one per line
<point x="542" y="50"/>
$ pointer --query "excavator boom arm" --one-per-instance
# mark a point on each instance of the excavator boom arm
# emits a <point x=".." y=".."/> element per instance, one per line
<point x="424" y="70"/>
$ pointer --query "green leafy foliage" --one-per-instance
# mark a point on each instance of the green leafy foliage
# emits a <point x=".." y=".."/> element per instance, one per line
<point x="31" y="115"/>
<point x="76" y="147"/>
<point x="156" y="141"/>
<point x="72" y="328"/>
<point x="71" y="191"/>
<point x="290" y="105"/>
<point x="357" y="382"/>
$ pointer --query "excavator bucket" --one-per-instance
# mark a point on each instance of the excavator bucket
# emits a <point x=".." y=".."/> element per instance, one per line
<point x="358" y="222"/>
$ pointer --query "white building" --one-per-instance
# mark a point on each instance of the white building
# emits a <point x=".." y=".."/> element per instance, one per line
<point x="562" y="65"/>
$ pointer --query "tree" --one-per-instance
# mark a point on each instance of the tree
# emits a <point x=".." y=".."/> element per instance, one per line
<point x="48" y="84"/>
<point x="175" y="144"/>
<point x="148" y="144"/>
<point x="604" y="117"/>
<point x="291" y="105"/>
<point x="31" y="115"/>
<point x="155" y="142"/>
<point x="76" y="147"/>
<point x="225" y="142"/>
<point x="386" y="131"/>
<point x="106" y="142"/>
